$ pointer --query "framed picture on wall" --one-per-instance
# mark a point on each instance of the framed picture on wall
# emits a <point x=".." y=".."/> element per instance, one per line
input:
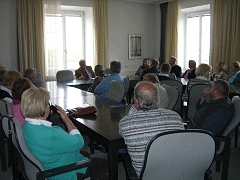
<point x="134" y="46"/>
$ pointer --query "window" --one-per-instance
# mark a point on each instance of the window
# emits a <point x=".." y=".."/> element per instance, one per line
<point x="65" y="37"/>
<point x="195" y="37"/>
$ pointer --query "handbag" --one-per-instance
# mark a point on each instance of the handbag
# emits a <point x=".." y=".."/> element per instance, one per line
<point x="83" y="110"/>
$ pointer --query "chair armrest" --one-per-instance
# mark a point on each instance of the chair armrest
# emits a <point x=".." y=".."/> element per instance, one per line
<point x="130" y="171"/>
<point x="64" y="169"/>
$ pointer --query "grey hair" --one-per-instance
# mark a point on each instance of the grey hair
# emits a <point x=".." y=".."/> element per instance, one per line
<point x="99" y="68"/>
<point x="147" y="95"/>
<point x="154" y="63"/>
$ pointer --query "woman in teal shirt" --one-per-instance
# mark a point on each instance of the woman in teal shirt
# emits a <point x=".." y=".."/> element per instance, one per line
<point x="52" y="145"/>
<point x="234" y="76"/>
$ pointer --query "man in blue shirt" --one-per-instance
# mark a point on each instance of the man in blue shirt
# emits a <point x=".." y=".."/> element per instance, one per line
<point x="215" y="115"/>
<point x="103" y="87"/>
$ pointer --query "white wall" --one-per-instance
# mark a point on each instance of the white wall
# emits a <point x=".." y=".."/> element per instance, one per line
<point x="8" y="34"/>
<point x="132" y="18"/>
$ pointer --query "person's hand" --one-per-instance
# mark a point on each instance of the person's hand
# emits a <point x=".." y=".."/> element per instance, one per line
<point x="82" y="78"/>
<point x="62" y="113"/>
<point x="206" y="92"/>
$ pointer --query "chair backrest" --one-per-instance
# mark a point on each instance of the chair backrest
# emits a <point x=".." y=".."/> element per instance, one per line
<point x="233" y="123"/>
<point x="5" y="108"/>
<point x="116" y="91"/>
<point x="64" y="75"/>
<point x="179" y="85"/>
<point x="173" y="76"/>
<point x="194" y="95"/>
<point x="126" y="80"/>
<point x="31" y="164"/>
<point x="183" y="154"/>
<point x="172" y="92"/>
<point x="38" y="81"/>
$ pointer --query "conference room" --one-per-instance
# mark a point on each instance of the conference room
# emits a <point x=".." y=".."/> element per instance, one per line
<point x="122" y="21"/>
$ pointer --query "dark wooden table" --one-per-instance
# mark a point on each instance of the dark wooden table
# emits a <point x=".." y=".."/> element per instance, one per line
<point x="101" y="127"/>
<point x="80" y="84"/>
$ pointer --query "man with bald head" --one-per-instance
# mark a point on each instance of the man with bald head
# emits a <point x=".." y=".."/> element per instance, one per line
<point x="145" y="120"/>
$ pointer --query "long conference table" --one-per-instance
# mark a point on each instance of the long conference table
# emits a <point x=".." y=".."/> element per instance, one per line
<point x="101" y="127"/>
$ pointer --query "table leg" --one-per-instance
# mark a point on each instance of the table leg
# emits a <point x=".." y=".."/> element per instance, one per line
<point x="113" y="162"/>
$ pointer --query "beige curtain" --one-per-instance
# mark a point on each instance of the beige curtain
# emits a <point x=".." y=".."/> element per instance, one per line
<point x="226" y="32"/>
<point x="30" y="34"/>
<point x="100" y="14"/>
<point x="172" y="30"/>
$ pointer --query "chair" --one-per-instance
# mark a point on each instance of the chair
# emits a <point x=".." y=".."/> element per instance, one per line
<point x="172" y="155"/>
<point x="223" y="152"/>
<point x="126" y="80"/>
<point x="116" y="91"/>
<point x="38" y="81"/>
<point x="179" y="85"/>
<point x="64" y="75"/>
<point x="173" y="93"/>
<point x="5" y="109"/>
<point x="33" y="167"/>
<point x="173" y="76"/>
<point x="194" y="95"/>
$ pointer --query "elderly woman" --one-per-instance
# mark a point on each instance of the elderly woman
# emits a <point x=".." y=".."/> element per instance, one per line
<point x="143" y="67"/>
<point x="203" y="73"/>
<point x="234" y="76"/>
<point x="52" y="145"/>
<point x="221" y="72"/>
<point x="190" y="73"/>
<point x="18" y="88"/>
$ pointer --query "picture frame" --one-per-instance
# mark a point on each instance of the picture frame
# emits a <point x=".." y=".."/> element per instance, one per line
<point x="135" y="46"/>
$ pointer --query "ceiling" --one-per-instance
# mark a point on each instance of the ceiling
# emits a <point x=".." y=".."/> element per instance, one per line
<point x="150" y="1"/>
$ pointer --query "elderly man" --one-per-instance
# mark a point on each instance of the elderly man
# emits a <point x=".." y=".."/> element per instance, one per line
<point x="177" y="70"/>
<point x="103" y="87"/>
<point x="215" y="115"/>
<point x="145" y="120"/>
<point x="31" y="74"/>
<point x="164" y="72"/>
<point x="84" y="72"/>
<point x="153" y="68"/>
<point x="6" y="89"/>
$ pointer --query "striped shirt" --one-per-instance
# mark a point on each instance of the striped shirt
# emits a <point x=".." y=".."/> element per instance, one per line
<point x="138" y="127"/>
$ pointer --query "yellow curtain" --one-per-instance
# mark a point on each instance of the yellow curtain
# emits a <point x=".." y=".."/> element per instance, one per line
<point x="100" y="14"/>
<point x="172" y="30"/>
<point x="225" y="34"/>
<point x="30" y="34"/>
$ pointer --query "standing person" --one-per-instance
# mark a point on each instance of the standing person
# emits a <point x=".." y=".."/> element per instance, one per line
<point x="84" y="72"/>
<point x="143" y="67"/>
<point x="153" y="68"/>
<point x="31" y="74"/>
<point x="19" y="86"/>
<point x="98" y="79"/>
<point x="53" y="146"/>
<point x="163" y="96"/>
<point x="176" y="69"/>
<point x="6" y="89"/>
<point x="234" y="76"/>
<point x="145" y="120"/>
<point x="190" y="73"/>
<point x="103" y="87"/>
<point x="215" y="115"/>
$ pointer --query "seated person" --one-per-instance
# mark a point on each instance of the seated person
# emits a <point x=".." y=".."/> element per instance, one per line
<point x="153" y="68"/>
<point x="215" y="115"/>
<point x="19" y="86"/>
<point x="145" y="120"/>
<point x="164" y="72"/>
<point x="202" y="77"/>
<point x="98" y="79"/>
<point x="84" y="72"/>
<point x="6" y="89"/>
<point x="176" y="69"/>
<point x="103" y="87"/>
<point x="31" y="74"/>
<point x="52" y="145"/>
<point x="234" y="76"/>
<point x="161" y="90"/>
<point x="221" y="72"/>
<point x="143" y="67"/>
<point x="190" y="73"/>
